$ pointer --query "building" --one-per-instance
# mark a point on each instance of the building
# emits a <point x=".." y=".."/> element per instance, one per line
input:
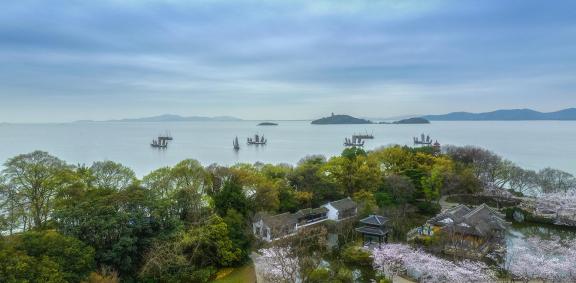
<point x="480" y="222"/>
<point x="472" y="231"/>
<point x="374" y="230"/>
<point x="341" y="209"/>
<point x="272" y="227"/>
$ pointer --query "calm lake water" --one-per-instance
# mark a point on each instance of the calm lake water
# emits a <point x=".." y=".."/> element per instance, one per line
<point x="534" y="144"/>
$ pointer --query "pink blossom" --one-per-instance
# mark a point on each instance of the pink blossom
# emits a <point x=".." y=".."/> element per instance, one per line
<point x="549" y="260"/>
<point x="394" y="259"/>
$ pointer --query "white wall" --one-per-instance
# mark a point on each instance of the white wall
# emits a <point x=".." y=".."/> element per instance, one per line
<point x="332" y="212"/>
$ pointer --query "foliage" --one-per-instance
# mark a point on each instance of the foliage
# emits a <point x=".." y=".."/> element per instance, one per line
<point x="111" y="175"/>
<point x="356" y="256"/>
<point x="45" y="257"/>
<point x="33" y="181"/>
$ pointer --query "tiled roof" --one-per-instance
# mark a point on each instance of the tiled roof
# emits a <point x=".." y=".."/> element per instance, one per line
<point x="343" y="204"/>
<point x="480" y="221"/>
<point x="372" y="231"/>
<point x="374" y="220"/>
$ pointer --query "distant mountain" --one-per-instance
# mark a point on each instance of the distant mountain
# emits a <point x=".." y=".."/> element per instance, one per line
<point x="340" y="119"/>
<point x="506" y="115"/>
<point x="172" y="118"/>
<point x="412" y="121"/>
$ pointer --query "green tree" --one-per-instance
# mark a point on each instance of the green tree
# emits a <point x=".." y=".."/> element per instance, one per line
<point x="231" y="197"/>
<point x="45" y="256"/>
<point x="192" y="256"/>
<point x="36" y="178"/>
<point x="112" y="175"/>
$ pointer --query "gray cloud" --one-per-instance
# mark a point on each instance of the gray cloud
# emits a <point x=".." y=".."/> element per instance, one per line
<point x="287" y="59"/>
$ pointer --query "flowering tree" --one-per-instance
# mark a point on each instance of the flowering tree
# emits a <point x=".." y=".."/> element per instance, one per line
<point x="395" y="259"/>
<point x="563" y="204"/>
<point x="548" y="260"/>
<point x="278" y="264"/>
<point x="292" y="259"/>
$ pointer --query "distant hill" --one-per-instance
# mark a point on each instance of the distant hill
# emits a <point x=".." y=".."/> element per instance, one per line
<point x="412" y="121"/>
<point x="340" y="119"/>
<point x="506" y="115"/>
<point x="171" y="118"/>
<point x="267" y="124"/>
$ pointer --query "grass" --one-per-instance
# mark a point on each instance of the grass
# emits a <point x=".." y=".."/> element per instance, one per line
<point x="236" y="275"/>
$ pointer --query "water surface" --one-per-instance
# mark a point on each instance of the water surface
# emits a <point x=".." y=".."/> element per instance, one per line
<point x="534" y="144"/>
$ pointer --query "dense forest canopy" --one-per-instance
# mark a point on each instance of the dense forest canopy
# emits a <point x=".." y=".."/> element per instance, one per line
<point x="65" y="223"/>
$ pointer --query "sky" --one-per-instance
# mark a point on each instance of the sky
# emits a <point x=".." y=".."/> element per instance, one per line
<point x="66" y="60"/>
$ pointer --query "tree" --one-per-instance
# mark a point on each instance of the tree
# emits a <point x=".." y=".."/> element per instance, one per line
<point x="295" y="258"/>
<point x="181" y="190"/>
<point x="111" y="175"/>
<point x="307" y="177"/>
<point x="353" y="172"/>
<point x="396" y="259"/>
<point x="493" y="172"/>
<point x="35" y="178"/>
<point x="192" y="256"/>
<point x="552" y="181"/>
<point x="400" y="189"/>
<point x="120" y="225"/>
<point x="11" y="206"/>
<point x="45" y="256"/>
<point x="231" y="197"/>
<point x="545" y="260"/>
<point x="523" y="181"/>
<point x="432" y="185"/>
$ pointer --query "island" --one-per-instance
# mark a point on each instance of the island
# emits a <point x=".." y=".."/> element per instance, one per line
<point x="412" y="121"/>
<point x="340" y="119"/>
<point x="568" y="114"/>
<point x="267" y="124"/>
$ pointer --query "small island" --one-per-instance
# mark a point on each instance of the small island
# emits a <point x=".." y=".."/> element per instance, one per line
<point x="340" y="119"/>
<point x="408" y="121"/>
<point x="267" y="124"/>
<point x="413" y="121"/>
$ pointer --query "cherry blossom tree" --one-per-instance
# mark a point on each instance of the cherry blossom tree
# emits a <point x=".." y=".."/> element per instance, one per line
<point x="563" y="204"/>
<point x="278" y="264"/>
<point x="547" y="260"/>
<point x="396" y="259"/>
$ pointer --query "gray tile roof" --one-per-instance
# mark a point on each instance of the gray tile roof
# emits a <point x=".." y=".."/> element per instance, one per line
<point x="372" y="231"/>
<point x="343" y="204"/>
<point x="480" y="221"/>
<point x="308" y="211"/>
<point x="374" y="220"/>
<point x="278" y="221"/>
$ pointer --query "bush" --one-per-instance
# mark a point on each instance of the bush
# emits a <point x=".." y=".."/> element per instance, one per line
<point x="319" y="275"/>
<point x="356" y="256"/>
<point x="46" y="256"/>
<point x="429" y="208"/>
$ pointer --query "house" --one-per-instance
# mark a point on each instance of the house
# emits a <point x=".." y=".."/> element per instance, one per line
<point x="374" y="229"/>
<point x="482" y="222"/>
<point x="272" y="227"/>
<point x="472" y="231"/>
<point x="341" y="209"/>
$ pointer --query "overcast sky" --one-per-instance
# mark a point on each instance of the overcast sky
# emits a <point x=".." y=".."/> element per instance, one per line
<point x="282" y="59"/>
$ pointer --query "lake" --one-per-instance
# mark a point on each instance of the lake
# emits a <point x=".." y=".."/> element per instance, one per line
<point x="533" y="144"/>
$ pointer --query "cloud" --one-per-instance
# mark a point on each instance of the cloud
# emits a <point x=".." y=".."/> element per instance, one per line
<point x="388" y="57"/>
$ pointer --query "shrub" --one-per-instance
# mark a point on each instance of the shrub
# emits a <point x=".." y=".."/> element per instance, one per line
<point x="429" y="208"/>
<point x="319" y="275"/>
<point x="356" y="256"/>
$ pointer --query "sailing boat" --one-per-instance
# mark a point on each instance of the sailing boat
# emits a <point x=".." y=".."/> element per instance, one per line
<point x="236" y="144"/>
<point x="159" y="143"/>
<point x="257" y="140"/>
